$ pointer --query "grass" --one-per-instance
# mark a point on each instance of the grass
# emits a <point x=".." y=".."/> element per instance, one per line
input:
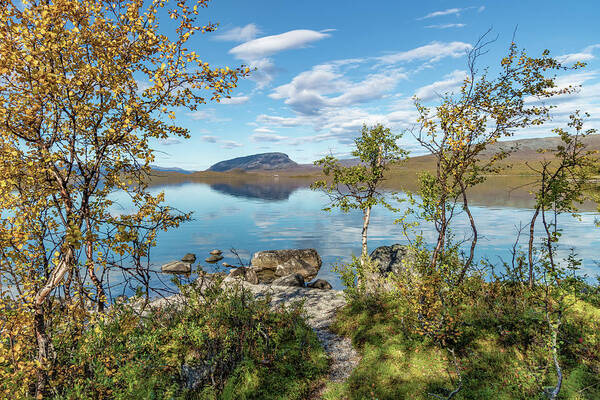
<point x="502" y="351"/>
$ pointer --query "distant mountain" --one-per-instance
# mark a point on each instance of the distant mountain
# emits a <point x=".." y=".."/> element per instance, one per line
<point x="264" y="161"/>
<point x="171" y="169"/>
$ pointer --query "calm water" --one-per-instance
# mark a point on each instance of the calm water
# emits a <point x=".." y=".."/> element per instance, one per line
<point x="251" y="218"/>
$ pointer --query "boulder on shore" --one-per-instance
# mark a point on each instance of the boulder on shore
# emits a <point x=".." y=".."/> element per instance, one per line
<point x="272" y="264"/>
<point x="387" y="260"/>
<point x="177" y="267"/>
<point x="295" y="280"/>
<point x="320" y="284"/>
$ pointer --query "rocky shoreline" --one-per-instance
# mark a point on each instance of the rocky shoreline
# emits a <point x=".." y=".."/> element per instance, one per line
<point x="281" y="276"/>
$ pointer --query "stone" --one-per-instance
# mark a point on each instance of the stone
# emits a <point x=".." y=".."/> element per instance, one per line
<point x="213" y="259"/>
<point x="227" y="265"/>
<point x="243" y="273"/>
<point x="216" y="252"/>
<point x="251" y="276"/>
<point x="272" y="264"/>
<point x="320" y="284"/>
<point x="295" y="280"/>
<point x="237" y="273"/>
<point x="177" y="267"/>
<point x="389" y="258"/>
<point x="388" y="261"/>
<point x="189" y="258"/>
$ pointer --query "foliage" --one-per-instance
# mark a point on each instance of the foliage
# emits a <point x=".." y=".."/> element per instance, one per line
<point x="459" y="130"/>
<point x="86" y="88"/>
<point x="560" y="186"/>
<point x="358" y="186"/>
<point x="238" y="347"/>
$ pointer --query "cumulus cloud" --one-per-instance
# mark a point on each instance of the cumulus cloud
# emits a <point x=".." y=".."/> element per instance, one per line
<point x="431" y="52"/>
<point x="584" y="55"/>
<point x="235" y="100"/>
<point x="451" y="82"/>
<point x="239" y="33"/>
<point x="446" y="26"/>
<point x="324" y="86"/>
<point x="256" y="52"/>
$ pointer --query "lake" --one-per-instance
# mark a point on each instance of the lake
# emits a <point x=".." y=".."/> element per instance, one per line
<point x="281" y="215"/>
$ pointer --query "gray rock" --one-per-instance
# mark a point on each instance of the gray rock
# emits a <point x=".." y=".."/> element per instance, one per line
<point x="177" y="267"/>
<point x="388" y="261"/>
<point x="251" y="276"/>
<point x="320" y="284"/>
<point x="243" y="273"/>
<point x="189" y="258"/>
<point x="295" y="280"/>
<point x="272" y="264"/>
<point x="216" y="252"/>
<point x="227" y="265"/>
<point x="213" y="259"/>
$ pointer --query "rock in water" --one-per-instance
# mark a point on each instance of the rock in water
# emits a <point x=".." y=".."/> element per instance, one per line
<point x="272" y="264"/>
<point x="213" y="259"/>
<point x="189" y="258"/>
<point x="216" y="252"/>
<point x="295" y="280"/>
<point x="320" y="284"/>
<point x="177" y="267"/>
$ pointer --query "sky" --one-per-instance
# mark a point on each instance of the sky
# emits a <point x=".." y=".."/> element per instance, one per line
<point x="322" y="69"/>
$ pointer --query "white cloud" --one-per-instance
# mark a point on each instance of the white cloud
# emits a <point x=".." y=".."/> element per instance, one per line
<point x="446" y="26"/>
<point x="239" y="34"/>
<point x="269" y="45"/>
<point x="235" y="100"/>
<point x="584" y="55"/>
<point x="264" y="130"/>
<point x="324" y="86"/>
<point x="230" y="144"/>
<point x="256" y="52"/>
<point x="209" y="139"/>
<point x="451" y="82"/>
<point x="267" y="137"/>
<point x="431" y="52"/>
<point x="441" y="13"/>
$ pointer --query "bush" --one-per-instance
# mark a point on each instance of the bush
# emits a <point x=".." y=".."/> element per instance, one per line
<point x="213" y="344"/>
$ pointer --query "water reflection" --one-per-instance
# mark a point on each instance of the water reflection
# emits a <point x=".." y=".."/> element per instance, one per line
<point x="265" y="191"/>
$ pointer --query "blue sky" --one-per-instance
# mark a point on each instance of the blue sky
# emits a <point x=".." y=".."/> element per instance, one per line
<point x="326" y="67"/>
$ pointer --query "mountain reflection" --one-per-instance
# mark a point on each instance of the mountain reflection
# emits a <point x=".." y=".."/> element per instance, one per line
<point x="277" y="191"/>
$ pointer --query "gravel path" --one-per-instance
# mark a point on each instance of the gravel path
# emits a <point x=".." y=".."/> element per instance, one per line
<point x="320" y="307"/>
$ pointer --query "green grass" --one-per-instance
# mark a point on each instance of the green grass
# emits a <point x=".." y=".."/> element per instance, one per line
<point x="500" y="351"/>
